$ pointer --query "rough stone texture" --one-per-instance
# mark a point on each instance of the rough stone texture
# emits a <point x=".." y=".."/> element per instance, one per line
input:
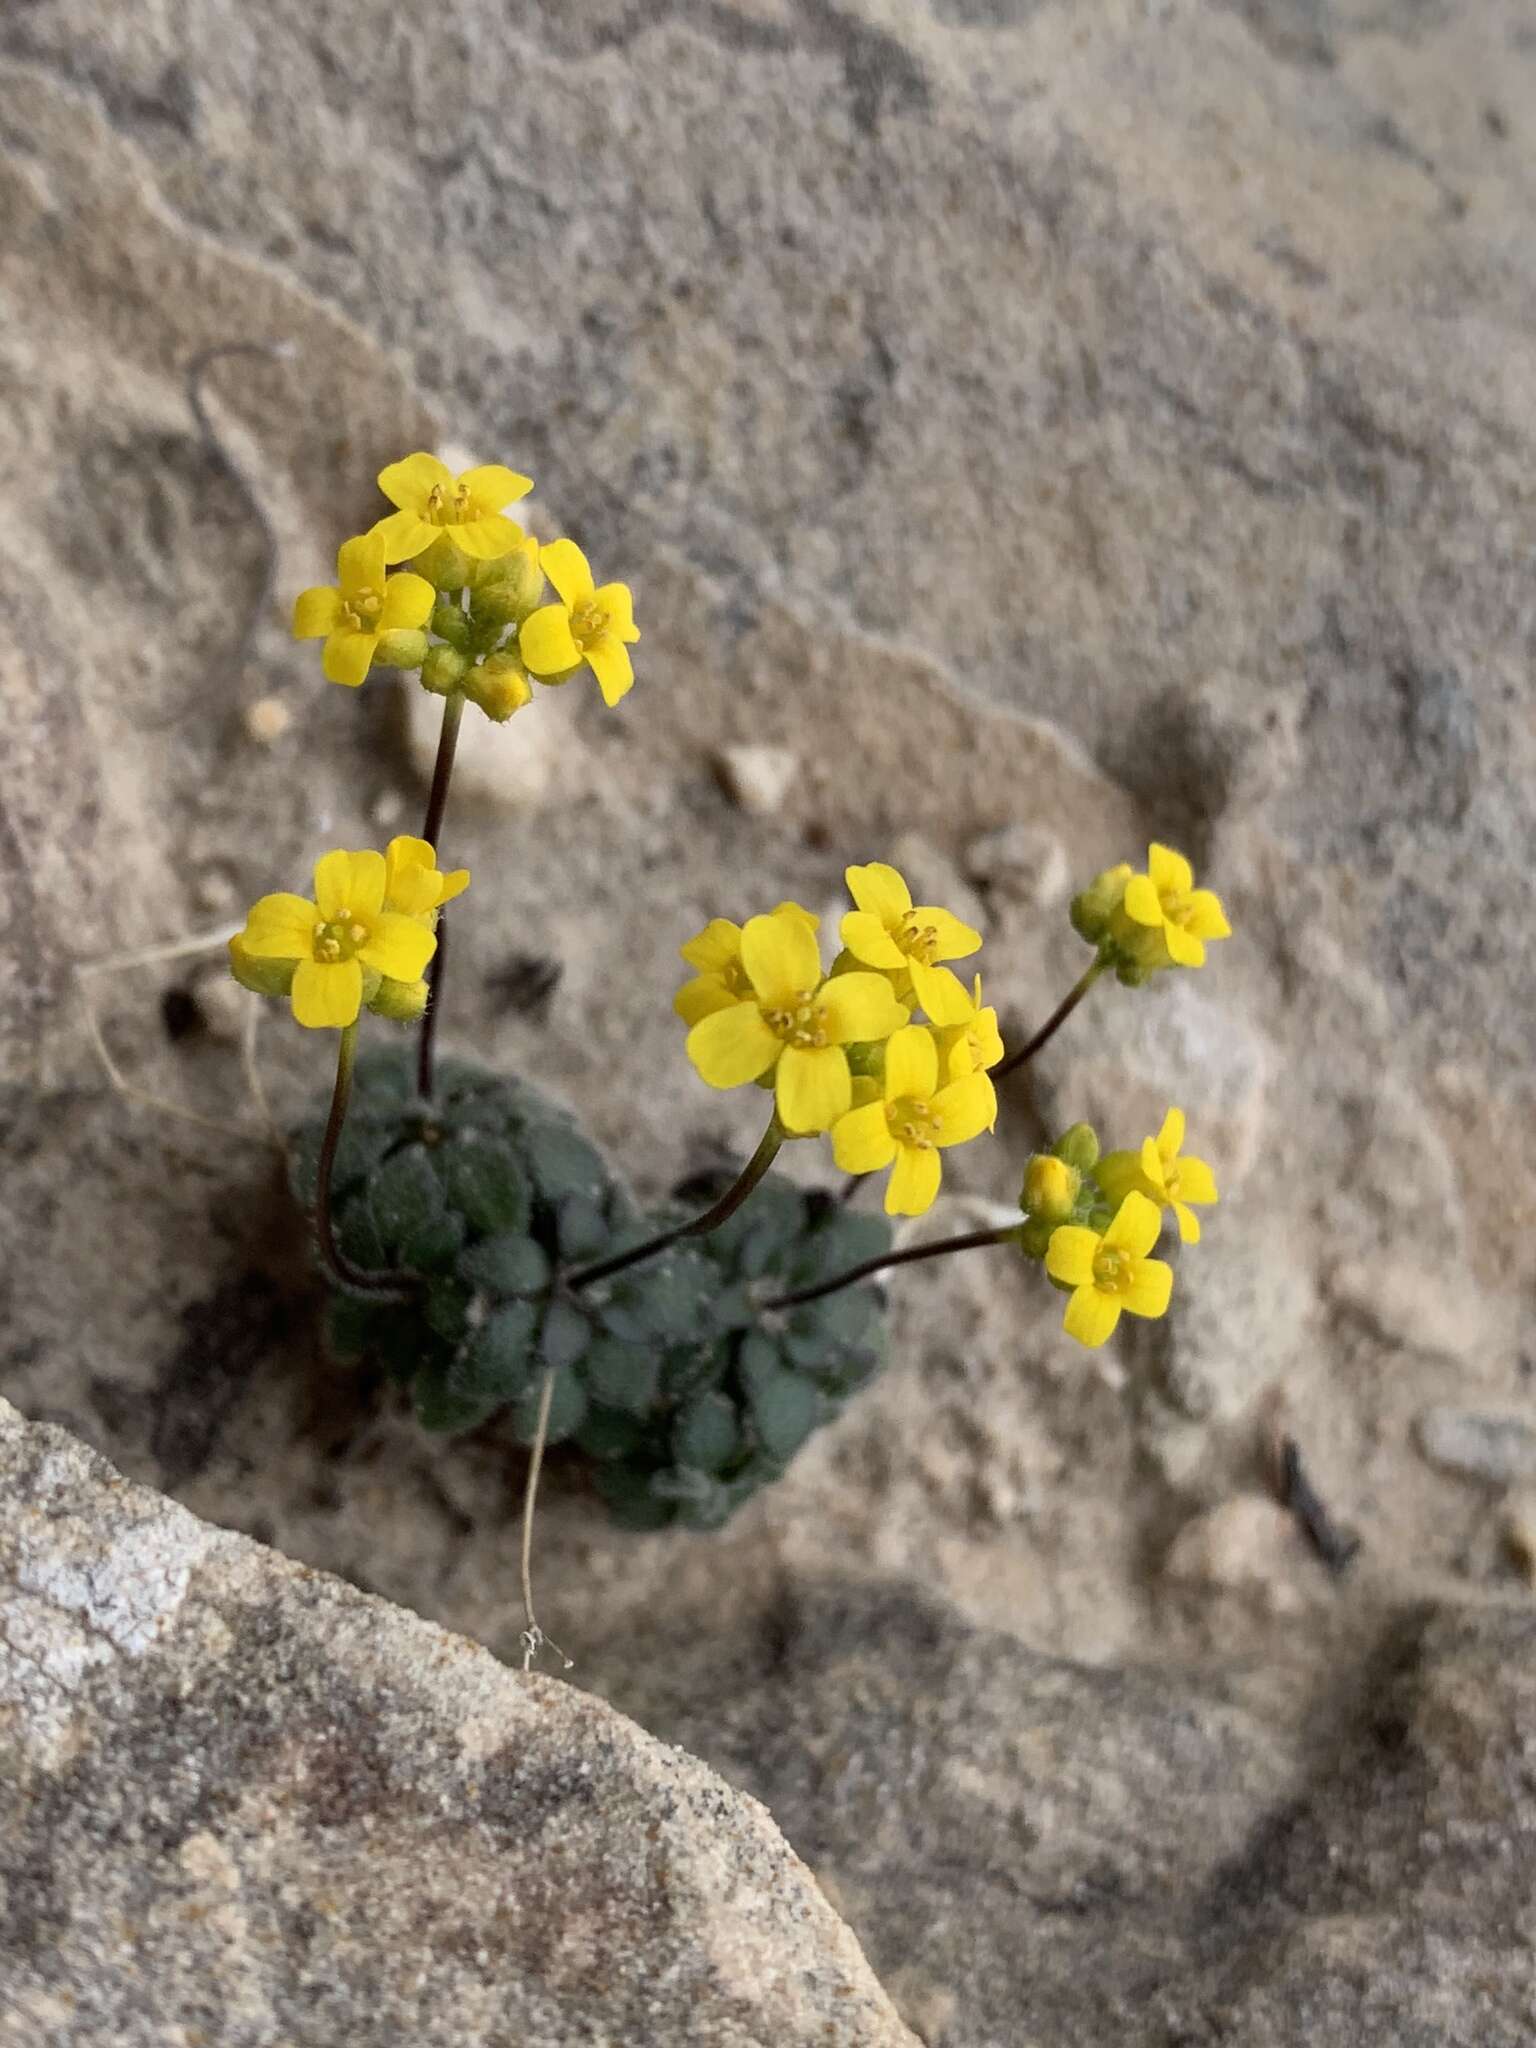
<point x="1102" y="420"/>
<point x="246" y="1804"/>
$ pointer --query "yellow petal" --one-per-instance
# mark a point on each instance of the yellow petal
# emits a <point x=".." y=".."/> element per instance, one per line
<point x="911" y="1064"/>
<point x="1184" y="949"/>
<point x="405" y="533"/>
<point x="1142" y="902"/>
<point x="316" y="613"/>
<point x="617" y="601"/>
<point x="351" y="883"/>
<point x="1150" y="1289"/>
<point x="455" y="881"/>
<point x="862" y="1141"/>
<point x="397" y="946"/>
<point x="1189" y="1223"/>
<point x="858" y="1007"/>
<point x="409" y="483"/>
<point x="952" y="939"/>
<point x="781" y="958"/>
<point x="733" y="1046"/>
<point x="327" y="994"/>
<point x="1118" y="1173"/>
<point x="940" y="992"/>
<point x="360" y="563"/>
<point x="348" y="656"/>
<point x="868" y="940"/>
<point x="1136" y="1226"/>
<point x="1091" y="1317"/>
<point x="715" y="948"/>
<point x="806" y="917"/>
<point x="1152" y="1171"/>
<point x="1171" y="873"/>
<point x="566" y="567"/>
<point x="544" y="640"/>
<point x="487" y="538"/>
<point x="1206" y="918"/>
<point x="986" y="1039"/>
<point x="281" y="927"/>
<point x="880" y="890"/>
<point x="914" y="1181"/>
<point x="410" y="876"/>
<point x="967" y="1108"/>
<point x="608" y="659"/>
<point x="1195" y="1181"/>
<point x="1070" y="1255"/>
<point x="408" y="602"/>
<point x="701" y="997"/>
<point x="492" y="486"/>
<point x="1171" y="1137"/>
<point x="813" y="1087"/>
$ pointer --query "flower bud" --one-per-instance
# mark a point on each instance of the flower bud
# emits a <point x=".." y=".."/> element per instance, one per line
<point x="507" y="590"/>
<point x="444" y="564"/>
<point x="262" y="977"/>
<point x="401" y="1001"/>
<point x="443" y="671"/>
<point x="450" y="624"/>
<point x="1078" y="1145"/>
<point x="1093" y="908"/>
<point x="1050" y="1188"/>
<point x="500" y="686"/>
<point x="401" y="648"/>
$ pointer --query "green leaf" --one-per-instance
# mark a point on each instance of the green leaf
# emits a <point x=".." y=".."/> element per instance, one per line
<point x="487" y="1185"/>
<point x="567" y="1408"/>
<point x="359" y="1238"/>
<point x="405" y="1194"/>
<point x="506" y="1264"/>
<point x="705" y="1434"/>
<point x="631" y="1500"/>
<point x="444" y="1408"/>
<point x="447" y="1308"/>
<point x="434" y="1247"/>
<point x="622" y="1375"/>
<point x="565" y="1335"/>
<point x="497" y="1359"/>
<point x="581" y="1228"/>
<point x="562" y="1163"/>
<point x="610" y="1433"/>
<point x="784" y="1408"/>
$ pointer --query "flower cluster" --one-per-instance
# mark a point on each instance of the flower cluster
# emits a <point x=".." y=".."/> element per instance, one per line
<point x="840" y="1048"/>
<point x="1143" y="923"/>
<point x="362" y="942"/>
<point x="1094" y="1221"/>
<point x="469" y="612"/>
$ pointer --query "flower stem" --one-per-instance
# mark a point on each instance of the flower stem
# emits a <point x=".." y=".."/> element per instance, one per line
<point x="533" y="1637"/>
<point x="437" y="804"/>
<point x="397" y="1286"/>
<point x="698" y="1226"/>
<point x="1053" y="1023"/>
<point x="971" y="1241"/>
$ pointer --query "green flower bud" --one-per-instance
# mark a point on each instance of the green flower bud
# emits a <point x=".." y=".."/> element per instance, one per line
<point x="867" y="1058"/>
<point x="450" y="624"/>
<point x="1050" y="1189"/>
<point x="507" y="590"/>
<point x="443" y="671"/>
<point x="444" y="564"/>
<point x="499" y="686"/>
<point x="1092" y="910"/>
<point x="401" y="1001"/>
<point x="1078" y="1145"/>
<point x="262" y="977"/>
<point x="401" y="648"/>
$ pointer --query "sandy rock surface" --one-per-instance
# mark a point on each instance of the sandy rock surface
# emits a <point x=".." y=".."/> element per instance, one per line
<point x="1110" y="422"/>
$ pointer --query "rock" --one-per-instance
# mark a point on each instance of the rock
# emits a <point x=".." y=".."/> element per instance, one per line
<point x="1024" y="862"/>
<point x="267" y="720"/>
<point x="757" y="779"/>
<point x="240" y="1797"/>
<point x="1248" y="1545"/>
<point x="537" y="756"/>
<point x="1518" y="1533"/>
<point x="1479" y="1443"/>
<point x="1402" y="1302"/>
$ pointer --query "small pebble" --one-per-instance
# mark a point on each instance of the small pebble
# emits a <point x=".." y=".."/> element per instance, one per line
<point x="1247" y="1545"/>
<point x="1518" y="1533"/>
<point x="267" y="720"/>
<point x="1479" y="1443"/>
<point x="757" y="779"/>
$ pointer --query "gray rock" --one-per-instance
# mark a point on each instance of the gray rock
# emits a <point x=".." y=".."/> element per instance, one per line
<point x="244" y="1803"/>
<point x="1480" y="1443"/>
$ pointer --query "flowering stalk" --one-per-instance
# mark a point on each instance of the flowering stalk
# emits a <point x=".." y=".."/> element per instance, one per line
<point x="437" y="804"/>
<point x="341" y="1269"/>
<point x="1054" y="1022"/>
<point x="699" y="1226"/>
<point x="972" y="1240"/>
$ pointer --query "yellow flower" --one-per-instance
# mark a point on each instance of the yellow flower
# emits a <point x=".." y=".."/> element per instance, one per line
<point x="1165" y="901"/>
<point x="914" y="1121"/>
<point x="431" y="498"/>
<point x="1111" y="1272"/>
<point x="721" y="979"/>
<point x="334" y="939"/>
<point x="1050" y="1190"/>
<point x="1158" y="1172"/>
<point x="367" y="604"/>
<point x="887" y="932"/>
<point x="413" y="884"/>
<point x="588" y="625"/>
<point x="973" y="1046"/>
<point x="793" y="1023"/>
